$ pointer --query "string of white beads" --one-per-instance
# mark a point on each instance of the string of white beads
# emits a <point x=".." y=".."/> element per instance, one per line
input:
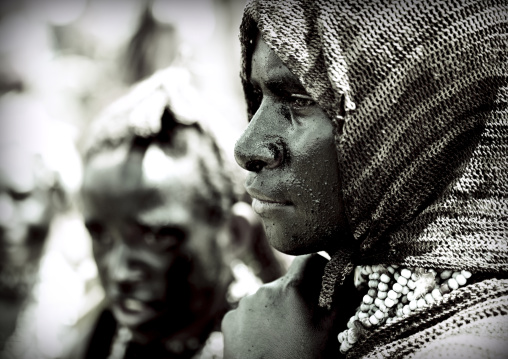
<point x="397" y="292"/>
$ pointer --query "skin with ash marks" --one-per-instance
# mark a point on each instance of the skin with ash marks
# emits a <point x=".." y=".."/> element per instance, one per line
<point x="153" y="243"/>
<point x="294" y="177"/>
<point x="289" y="151"/>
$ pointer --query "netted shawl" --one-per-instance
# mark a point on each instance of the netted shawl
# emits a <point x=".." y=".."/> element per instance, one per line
<point x="419" y="90"/>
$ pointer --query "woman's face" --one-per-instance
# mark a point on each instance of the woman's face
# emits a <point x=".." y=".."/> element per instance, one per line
<point x="155" y="249"/>
<point x="289" y="149"/>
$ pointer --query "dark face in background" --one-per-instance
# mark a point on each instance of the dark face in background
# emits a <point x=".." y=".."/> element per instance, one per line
<point x="156" y="251"/>
<point x="26" y="209"/>
<point x="289" y="150"/>
<point x="27" y="205"/>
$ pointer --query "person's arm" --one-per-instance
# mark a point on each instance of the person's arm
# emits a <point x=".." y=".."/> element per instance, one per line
<point x="283" y="319"/>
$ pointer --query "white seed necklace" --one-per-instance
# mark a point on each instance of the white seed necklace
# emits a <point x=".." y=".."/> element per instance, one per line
<point x="396" y="292"/>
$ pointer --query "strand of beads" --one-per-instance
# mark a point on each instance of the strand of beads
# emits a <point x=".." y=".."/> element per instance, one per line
<point x="396" y="292"/>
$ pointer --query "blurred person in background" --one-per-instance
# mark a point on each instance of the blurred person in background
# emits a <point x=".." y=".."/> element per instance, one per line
<point x="61" y="53"/>
<point x="32" y="193"/>
<point x="166" y="226"/>
<point x="153" y="46"/>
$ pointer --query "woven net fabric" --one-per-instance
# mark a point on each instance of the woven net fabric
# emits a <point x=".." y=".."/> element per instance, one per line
<point x="420" y="91"/>
<point x="471" y="322"/>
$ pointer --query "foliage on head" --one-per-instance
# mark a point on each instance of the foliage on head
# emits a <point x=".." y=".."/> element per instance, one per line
<point x="160" y="111"/>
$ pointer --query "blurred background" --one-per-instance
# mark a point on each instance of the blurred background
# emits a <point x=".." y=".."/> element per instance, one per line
<point x="78" y="56"/>
<point x="61" y="63"/>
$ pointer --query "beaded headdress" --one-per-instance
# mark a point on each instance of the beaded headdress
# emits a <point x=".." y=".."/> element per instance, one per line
<point x="420" y="92"/>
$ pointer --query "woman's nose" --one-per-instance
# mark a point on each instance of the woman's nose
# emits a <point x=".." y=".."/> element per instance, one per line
<point x="123" y="266"/>
<point x="261" y="145"/>
<point x="7" y="210"/>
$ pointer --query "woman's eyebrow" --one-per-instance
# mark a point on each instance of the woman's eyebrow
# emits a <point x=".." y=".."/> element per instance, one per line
<point x="284" y="85"/>
<point x="280" y="83"/>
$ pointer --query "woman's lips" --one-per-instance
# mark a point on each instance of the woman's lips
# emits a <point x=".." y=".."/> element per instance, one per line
<point x="132" y="312"/>
<point x="262" y="204"/>
<point x="133" y="305"/>
<point x="261" y="207"/>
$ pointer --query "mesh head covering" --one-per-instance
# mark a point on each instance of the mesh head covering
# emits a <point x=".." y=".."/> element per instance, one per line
<point x="150" y="111"/>
<point x="420" y="91"/>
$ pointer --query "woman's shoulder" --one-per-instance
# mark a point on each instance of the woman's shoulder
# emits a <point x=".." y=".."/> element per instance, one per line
<point x="482" y="338"/>
<point x="478" y="331"/>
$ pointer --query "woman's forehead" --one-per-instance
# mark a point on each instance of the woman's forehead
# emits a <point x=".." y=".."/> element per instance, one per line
<point x="156" y="185"/>
<point x="158" y="167"/>
<point x="16" y="169"/>
<point x="122" y="170"/>
<point x="267" y="66"/>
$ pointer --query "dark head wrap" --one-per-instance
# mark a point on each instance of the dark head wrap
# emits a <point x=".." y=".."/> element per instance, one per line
<point x="419" y="91"/>
<point x="156" y="109"/>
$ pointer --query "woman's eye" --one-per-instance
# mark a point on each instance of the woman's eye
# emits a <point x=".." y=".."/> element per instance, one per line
<point x="20" y="196"/>
<point x="258" y="94"/>
<point x="164" y="238"/>
<point x="301" y="101"/>
<point x="257" y="98"/>
<point x="99" y="234"/>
